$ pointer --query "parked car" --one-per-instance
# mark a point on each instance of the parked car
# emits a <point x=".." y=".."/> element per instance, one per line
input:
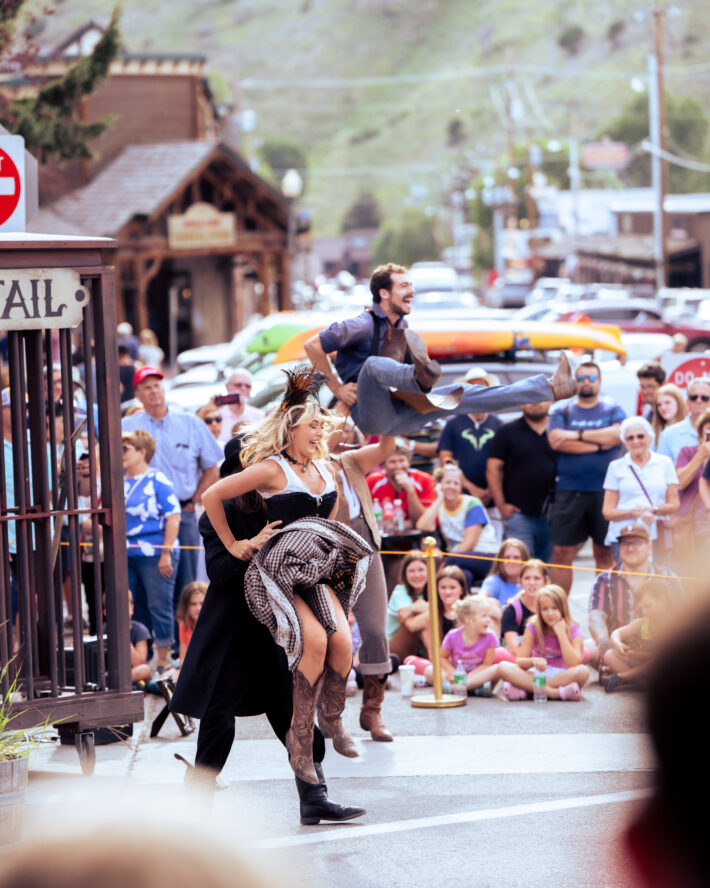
<point x="631" y="315"/>
<point x="546" y="289"/>
<point x="433" y="277"/>
<point x="507" y="294"/>
<point x="681" y="303"/>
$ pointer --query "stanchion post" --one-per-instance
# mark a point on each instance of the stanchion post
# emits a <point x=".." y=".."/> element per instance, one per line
<point x="438" y="699"/>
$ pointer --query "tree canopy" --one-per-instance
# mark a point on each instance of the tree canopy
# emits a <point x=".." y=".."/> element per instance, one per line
<point x="48" y="121"/>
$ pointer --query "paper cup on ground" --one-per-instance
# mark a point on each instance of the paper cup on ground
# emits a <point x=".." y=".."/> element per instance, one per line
<point x="406" y="677"/>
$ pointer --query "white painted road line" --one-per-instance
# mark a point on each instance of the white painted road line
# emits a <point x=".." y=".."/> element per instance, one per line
<point x="412" y="756"/>
<point x="354" y="831"/>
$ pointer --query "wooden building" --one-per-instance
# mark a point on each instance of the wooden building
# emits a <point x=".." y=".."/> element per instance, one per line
<point x="202" y="240"/>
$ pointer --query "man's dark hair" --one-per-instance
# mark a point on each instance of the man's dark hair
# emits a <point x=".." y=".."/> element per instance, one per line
<point x="652" y="370"/>
<point x="381" y="278"/>
<point x="591" y="364"/>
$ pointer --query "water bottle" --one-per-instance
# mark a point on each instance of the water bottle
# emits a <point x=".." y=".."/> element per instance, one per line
<point x="539" y="687"/>
<point x="459" y="684"/>
<point x="377" y="510"/>
<point x="398" y="516"/>
<point x="387" y="516"/>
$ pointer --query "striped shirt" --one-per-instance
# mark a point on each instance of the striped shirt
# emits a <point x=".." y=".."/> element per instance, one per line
<point x="613" y="596"/>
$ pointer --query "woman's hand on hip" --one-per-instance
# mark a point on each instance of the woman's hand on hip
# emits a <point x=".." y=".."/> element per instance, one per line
<point x="241" y="549"/>
<point x="268" y="531"/>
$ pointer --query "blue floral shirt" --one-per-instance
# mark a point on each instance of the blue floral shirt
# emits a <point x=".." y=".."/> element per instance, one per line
<point x="150" y="499"/>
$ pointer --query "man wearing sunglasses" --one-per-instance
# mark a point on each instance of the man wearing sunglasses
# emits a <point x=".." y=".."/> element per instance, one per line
<point x="239" y="383"/>
<point x="684" y="433"/>
<point x="585" y="433"/>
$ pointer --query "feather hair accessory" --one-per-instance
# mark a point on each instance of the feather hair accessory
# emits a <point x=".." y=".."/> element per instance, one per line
<point x="301" y="384"/>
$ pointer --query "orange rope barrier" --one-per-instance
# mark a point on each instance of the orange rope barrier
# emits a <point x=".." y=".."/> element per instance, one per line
<point x="442" y="554"/>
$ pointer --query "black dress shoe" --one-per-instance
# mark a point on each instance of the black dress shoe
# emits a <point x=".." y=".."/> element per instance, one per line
<point x="316" y="806"/>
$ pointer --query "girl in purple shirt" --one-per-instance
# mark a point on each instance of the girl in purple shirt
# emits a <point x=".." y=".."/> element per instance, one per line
<point x="552" y="644"/>
<point x="471" y="644"/>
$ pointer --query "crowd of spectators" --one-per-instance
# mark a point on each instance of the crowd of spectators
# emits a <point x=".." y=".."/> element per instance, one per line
<point x="510" y="504"/>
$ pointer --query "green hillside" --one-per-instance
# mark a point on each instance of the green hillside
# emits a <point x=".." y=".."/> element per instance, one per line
<point x="369" y="88"/>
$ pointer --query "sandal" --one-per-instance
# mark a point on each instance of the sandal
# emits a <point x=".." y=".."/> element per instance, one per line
<point x="510" y="692"/>
<point x="570" y="692"/>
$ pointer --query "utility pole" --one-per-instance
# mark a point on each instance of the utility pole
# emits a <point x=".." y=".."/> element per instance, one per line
<point x="575" y="176"/>
<point x="657" y="137"/>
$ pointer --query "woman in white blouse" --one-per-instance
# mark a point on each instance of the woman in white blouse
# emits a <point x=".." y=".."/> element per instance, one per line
<point x="640" y="487"/>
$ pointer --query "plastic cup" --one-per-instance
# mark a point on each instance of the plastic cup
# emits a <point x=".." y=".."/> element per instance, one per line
<point x="406" y="677"/>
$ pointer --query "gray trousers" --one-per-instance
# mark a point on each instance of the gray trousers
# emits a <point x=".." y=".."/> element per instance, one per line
<point x="377" y="413"/>
<point x="371" y="611"/>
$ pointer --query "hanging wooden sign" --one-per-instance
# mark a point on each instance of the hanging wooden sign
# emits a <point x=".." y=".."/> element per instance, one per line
<point x="41" y="298"/>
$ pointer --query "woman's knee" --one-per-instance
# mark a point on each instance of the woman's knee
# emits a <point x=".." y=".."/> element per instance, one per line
<point x="315" y="641"/>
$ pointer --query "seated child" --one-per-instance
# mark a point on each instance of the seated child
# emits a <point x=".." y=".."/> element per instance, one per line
<point x="140" y="635"/>
<point x="552" y="643"/>
<point x="629" y="658"/>
<point x="188" y="610"/>
<point x="472" y="644"/>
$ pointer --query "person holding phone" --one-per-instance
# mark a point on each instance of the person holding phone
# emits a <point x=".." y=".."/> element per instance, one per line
<point x="234" y="408"/>
<point x="690" y="519"/>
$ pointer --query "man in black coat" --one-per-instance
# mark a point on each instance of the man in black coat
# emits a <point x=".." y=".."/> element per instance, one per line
<point x="233" y="667"/>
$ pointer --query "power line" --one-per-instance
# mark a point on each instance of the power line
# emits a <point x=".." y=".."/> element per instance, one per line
<point x="688" y="163"/>
<point x="255" y="83"/>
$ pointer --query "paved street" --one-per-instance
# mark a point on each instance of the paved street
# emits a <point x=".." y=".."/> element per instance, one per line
<point x="493" y="792"/>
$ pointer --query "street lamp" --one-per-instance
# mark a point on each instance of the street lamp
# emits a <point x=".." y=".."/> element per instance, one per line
<point x="291" y="188"/>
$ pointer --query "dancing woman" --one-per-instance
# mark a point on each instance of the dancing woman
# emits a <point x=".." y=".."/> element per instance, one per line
<point x="304" y="578"/>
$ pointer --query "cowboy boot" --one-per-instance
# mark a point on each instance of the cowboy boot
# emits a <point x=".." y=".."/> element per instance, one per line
<point x="426" y="371"/>
<point x="373" y="693"/>
<point x="428" y="403"/>
<point x="563" y="384"/>
<point x="394" y="345"/>
<point x="330" y="710"/>
<point x="316" y="806"/>
<point x="299" y="737"/>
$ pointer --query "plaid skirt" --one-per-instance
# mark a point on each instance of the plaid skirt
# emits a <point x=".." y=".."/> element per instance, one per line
<point x="304" y="558"/>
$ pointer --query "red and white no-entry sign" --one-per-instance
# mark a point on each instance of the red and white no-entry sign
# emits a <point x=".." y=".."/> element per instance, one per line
<point x="689" y="370"/>
<point x="10" y="188"/>
<point x="12" y="183"/>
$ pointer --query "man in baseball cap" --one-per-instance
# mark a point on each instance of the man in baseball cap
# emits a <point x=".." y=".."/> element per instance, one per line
<point x="611" y="603"/>
<point x="467" y="439"/>
<point x="185" y="451"/>
<point x="143" y="373"/>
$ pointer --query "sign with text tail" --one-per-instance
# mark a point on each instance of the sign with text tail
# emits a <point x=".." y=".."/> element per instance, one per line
<point x="12" y="184"/>
<point x="41" y="298"/>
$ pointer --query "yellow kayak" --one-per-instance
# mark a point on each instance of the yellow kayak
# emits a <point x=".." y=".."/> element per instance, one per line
<point x="471" y="338"/>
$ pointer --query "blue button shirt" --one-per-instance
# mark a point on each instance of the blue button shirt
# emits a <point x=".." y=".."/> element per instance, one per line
<point x="674" y="437"/>
<point x="184" y="447"/>
<point x="352" y="340"/>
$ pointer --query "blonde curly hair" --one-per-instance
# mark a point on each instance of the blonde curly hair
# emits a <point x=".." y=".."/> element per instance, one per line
<point x="271" y="436"/>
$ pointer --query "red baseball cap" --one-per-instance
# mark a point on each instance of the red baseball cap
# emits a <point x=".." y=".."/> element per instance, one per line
<point x="144" y="373"/>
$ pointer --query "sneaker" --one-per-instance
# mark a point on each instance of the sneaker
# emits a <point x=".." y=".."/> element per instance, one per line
<point x="510" y="692"/>
<point x="610" y="682"/>
<point x="485" y="690"/>
<point x="570" y="692"/>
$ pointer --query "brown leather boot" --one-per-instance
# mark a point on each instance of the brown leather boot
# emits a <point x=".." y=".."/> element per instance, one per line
<point x="395" y="345"/>
<point x="330" y="710"/>
<point x="426" y="371"/>
<point x="299" y="737"/>
<point x="373" y="693"/>
<point x="563" y="383"/>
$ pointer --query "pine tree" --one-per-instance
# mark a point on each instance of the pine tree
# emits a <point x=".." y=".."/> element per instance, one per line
<point x="48" y="121"/>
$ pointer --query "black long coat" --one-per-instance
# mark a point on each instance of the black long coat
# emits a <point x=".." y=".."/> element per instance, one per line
<point x="231" y="656"/>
